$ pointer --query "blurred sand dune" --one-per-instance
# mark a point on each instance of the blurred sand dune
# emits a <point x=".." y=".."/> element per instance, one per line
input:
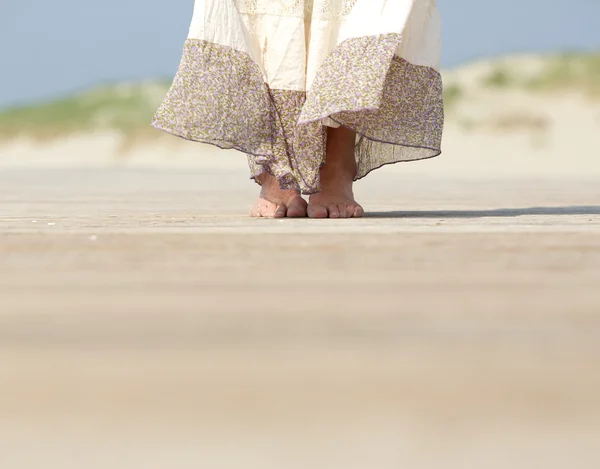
<point x="527" y="115"/>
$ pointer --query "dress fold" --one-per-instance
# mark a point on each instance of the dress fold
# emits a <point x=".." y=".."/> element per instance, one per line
<point x="272" y="91"/>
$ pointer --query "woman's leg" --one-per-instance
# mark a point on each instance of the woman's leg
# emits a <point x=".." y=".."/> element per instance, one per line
<point x="336" y="199"/>
<point x="277" y="203"/>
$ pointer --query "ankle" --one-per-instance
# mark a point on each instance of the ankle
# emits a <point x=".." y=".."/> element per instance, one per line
<point x="338" y="172"/>
<point x="265" y="179"/>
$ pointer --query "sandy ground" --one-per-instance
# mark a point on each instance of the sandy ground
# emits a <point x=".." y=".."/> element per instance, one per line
<point x="146" y="322"/>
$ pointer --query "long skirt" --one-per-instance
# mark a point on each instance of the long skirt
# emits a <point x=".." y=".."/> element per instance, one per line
<point x="268" y="77"/>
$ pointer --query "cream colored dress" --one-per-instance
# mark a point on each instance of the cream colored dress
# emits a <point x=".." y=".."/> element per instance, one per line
<point x="267" y="77"/>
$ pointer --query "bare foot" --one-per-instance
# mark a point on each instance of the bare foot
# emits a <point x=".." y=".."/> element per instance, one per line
<point x="336" y="199"/>
<point x="274" y="202"/>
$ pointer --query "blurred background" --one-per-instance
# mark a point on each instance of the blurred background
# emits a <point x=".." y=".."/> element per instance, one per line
<point x="144" y="323"/>
<point x="521" y="78"/>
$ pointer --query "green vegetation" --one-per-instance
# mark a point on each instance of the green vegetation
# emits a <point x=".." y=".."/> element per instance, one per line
<point x="570" y="71"/>
<point x="500" y="77"/>
<point x="123" y="107"/>
<point x="452" y="95"/>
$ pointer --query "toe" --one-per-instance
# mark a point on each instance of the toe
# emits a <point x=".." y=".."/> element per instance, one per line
<point x="333" y="211"/>
<point x="281" y="211"/>
<point x="317" y="211"/>
<point x="258" y="211"/>
<point x="358" y="211"/>
<point x="296" y="211"/>
<point x="343" y="211"/>
<point x="266" y="211"/>
<point x="270" y="211"/>
<point x="296" y="208"/>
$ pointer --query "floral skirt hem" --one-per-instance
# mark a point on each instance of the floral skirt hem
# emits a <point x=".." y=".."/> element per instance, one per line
<point x="219" y="96"/>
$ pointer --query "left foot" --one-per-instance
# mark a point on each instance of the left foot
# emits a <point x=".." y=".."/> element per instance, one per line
<point x="274" y="202"/>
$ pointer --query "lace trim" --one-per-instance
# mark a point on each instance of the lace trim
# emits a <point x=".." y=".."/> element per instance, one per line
<point x="327" y="9"/>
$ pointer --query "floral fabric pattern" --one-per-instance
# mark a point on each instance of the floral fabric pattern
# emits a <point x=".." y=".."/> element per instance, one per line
<point x="219" y="97"/>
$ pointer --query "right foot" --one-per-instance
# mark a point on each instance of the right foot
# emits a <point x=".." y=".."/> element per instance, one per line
<point x="275" y="202"/>
<point x="336" y="199"/>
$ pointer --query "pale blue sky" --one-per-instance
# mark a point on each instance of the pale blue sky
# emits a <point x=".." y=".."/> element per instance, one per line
<point x="51" y="47"/>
